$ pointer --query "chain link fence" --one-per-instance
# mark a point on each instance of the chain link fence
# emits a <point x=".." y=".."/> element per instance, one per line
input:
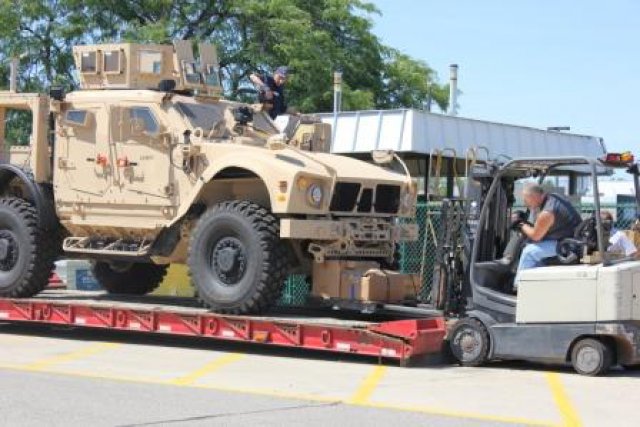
<point x="420" y="256"/>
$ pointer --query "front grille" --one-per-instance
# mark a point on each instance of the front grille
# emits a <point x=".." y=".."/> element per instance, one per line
<point x="387" y="199"/>
<point x="344" y="197"/>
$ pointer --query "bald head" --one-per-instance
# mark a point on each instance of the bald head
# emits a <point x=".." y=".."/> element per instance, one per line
<point x="533" y="195"/>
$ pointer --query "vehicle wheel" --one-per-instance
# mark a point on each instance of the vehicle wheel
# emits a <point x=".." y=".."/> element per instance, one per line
<point x="26" y="254"/>
<point x="591" y="357"/>
<point x="236" y="259"/>
<point x="128" y="278"/>
<point x="469" y="342"/>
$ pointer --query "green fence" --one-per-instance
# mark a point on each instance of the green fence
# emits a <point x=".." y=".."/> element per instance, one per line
<point x="414" y="254"/>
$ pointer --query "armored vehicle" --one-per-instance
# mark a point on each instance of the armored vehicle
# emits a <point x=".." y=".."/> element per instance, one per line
<point x="146" y="165"/>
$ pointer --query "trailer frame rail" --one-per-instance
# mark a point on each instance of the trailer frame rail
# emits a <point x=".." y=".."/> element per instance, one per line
<point x="400" y="340"/>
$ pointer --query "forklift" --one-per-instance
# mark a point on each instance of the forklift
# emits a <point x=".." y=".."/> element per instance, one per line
<point x="582" y="307"/>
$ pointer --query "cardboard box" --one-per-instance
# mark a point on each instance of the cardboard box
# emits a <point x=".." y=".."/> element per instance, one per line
<point x="389" y="286"/>
<point x="596" y="257"/>
<point x="339" y="278"/>
<point x="403" y="286"/>
<point x="374" y="286"/>
<point x="634" y="236"/>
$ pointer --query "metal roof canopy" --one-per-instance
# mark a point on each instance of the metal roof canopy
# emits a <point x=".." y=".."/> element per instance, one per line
<point x="421" y="132"/>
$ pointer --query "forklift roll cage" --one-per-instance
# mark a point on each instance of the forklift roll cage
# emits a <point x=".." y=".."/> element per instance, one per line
<point x="500" y="305"/>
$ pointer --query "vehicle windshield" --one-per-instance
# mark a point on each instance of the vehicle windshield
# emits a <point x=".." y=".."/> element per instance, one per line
<point x="201" y="115"/>
<point x="208" y="116"/>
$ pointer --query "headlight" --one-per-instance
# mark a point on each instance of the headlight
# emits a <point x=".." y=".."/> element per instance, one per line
<point x="315" y="195"/>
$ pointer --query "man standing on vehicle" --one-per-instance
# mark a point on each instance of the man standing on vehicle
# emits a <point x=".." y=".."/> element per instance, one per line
<point x="556" y="219"/>
<point x="271" y="90"/>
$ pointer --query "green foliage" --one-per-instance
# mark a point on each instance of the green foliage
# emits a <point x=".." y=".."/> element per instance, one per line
<point x="17" y="127"/>
<point x="313" y="37"/>
<point x="410" y="83"/>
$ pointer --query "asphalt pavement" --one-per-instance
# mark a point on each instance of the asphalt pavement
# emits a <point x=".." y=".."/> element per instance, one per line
<point x="79" y="377"/>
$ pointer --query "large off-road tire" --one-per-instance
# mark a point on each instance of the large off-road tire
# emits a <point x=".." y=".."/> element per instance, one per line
<point x="469" y="342"/>
<point x="237" y="261"/>
<point x="26" y="252"/>
<point x="592" y="357"/>
<point x="129" y="278"/>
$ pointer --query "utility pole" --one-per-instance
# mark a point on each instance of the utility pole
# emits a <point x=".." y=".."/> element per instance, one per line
<point x="453" y="90"/>
<point x="337" y="101"/>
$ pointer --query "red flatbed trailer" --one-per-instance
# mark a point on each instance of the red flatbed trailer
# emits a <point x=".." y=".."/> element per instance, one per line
<point x="401" y="340"/>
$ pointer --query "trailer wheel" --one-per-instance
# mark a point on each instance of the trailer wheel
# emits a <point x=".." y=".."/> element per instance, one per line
<point x="26" y="254"/>
<point x="237" y="261"/>
<point x="469" y="342"/>
<point x="128" y="278"/>
<point x="591" y="357"/>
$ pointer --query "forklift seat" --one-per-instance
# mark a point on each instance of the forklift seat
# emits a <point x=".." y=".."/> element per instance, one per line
<point x="570" y="249"/>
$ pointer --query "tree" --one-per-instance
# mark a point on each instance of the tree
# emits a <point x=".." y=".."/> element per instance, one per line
<point x="313" y="37"/>
<point x="42" y="34"/>
<point x="410" y="83"/>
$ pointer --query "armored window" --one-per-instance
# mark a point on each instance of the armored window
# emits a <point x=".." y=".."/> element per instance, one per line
<point x="199" y="115"/>
<point x="191" y="74"/>
<point x="143" y="120"/>
<point x="150" y="62"/>
<point x="211" y="76"/>
<point x="76" y="117"/>
<point x="88" y="62"/>
<point x="112" y="62"/>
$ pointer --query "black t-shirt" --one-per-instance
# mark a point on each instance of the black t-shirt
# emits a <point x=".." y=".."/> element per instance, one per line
<point x="279" y="104"/>
<point x="566" y="217"/>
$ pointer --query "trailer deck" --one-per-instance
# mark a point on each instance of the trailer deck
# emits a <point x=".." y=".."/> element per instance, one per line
<point x="342" y="332"/>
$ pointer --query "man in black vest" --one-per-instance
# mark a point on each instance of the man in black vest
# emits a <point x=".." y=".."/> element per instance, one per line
<point x="556" y="219"/>
<point x="271" y="90"/>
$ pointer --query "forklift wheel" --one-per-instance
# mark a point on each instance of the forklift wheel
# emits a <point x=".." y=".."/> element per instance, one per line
<point x="469" y="342"/>
<point x="591" y="357"/>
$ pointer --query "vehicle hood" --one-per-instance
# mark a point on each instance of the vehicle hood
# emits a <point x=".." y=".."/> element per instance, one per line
<point x="345" y="168"/>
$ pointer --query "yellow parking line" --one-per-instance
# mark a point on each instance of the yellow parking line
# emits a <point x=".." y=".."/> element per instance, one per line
<point x="368" y="386"/>
<point x="570" y="417"/>
<point x="300" y="396"/>
<point x="210" y="367"/>
<point x="87" y="351"/>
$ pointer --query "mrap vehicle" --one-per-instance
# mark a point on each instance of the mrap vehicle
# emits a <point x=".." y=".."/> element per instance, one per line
<point x="582" y="307"/>
<point x="145" y="165"/>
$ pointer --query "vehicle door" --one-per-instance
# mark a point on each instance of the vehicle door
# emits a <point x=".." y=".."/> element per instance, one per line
<point x="84" y="173"/>
<point x="140" y="152"/>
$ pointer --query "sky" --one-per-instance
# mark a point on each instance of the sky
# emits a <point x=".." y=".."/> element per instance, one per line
<point x="532" y="63"/>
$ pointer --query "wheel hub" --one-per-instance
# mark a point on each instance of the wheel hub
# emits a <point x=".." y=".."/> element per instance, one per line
<point x="8" y="250"/>
<point x="588" y="359"/>
<point x="470" y="344"/>
<point x="229" y="260"/>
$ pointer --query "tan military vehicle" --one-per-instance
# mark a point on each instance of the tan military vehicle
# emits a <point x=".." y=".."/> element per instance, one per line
<point x="146" y="165"/>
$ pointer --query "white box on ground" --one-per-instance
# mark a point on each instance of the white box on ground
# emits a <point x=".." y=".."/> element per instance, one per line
<point x="76" y="274"/>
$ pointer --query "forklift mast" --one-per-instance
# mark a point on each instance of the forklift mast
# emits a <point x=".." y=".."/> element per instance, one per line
<point x="458" y="220"/>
